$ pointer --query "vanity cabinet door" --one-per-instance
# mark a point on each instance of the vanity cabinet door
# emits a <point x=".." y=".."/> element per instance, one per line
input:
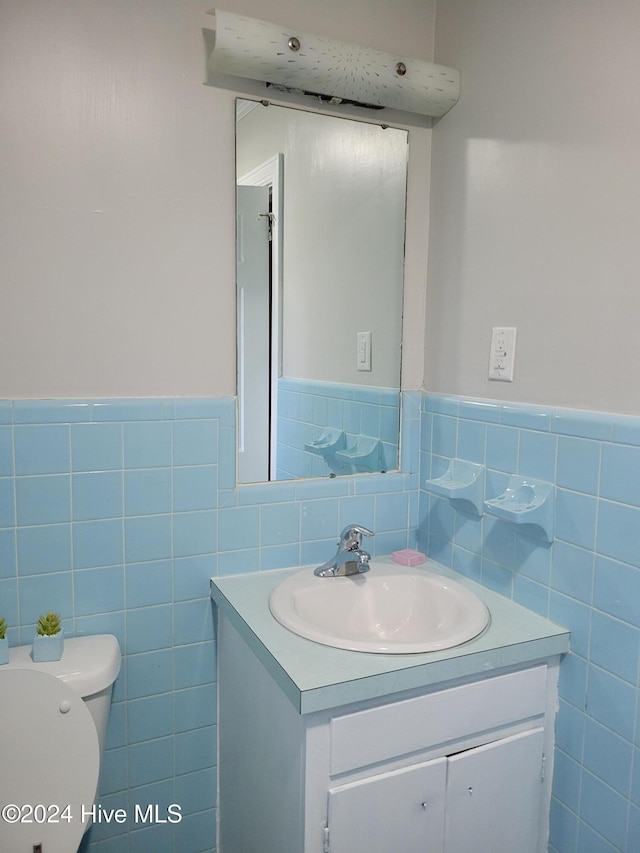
<point x="493" y="796"/>
<point x="402" y="810"/>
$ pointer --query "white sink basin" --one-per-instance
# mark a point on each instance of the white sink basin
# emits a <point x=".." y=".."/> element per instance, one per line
<point x="389" y="610"/>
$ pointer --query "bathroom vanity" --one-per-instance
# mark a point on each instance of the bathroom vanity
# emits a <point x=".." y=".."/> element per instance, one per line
<point x="324" y="750"/>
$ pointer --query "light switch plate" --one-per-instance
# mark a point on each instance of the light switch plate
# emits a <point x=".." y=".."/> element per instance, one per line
<point x="363" y="356"/>
<point x="502" y="355"/>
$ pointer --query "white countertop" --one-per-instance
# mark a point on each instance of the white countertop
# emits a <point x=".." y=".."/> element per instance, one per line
<point x="316" y="677"/>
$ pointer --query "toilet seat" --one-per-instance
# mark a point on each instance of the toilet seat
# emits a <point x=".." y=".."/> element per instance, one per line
<point x="50" y="758"/>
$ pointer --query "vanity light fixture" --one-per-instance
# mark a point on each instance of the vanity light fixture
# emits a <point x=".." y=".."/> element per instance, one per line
<point x="332" y="70"/>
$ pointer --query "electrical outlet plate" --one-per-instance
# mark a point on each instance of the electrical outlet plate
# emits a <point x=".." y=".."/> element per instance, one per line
<point x="502" y="355"/>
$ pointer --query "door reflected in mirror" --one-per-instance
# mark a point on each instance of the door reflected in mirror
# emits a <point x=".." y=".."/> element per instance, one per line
<point x="321" y="206"/>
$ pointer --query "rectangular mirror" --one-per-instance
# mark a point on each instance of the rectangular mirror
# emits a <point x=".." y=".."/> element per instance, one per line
<point x="321" y="204"/>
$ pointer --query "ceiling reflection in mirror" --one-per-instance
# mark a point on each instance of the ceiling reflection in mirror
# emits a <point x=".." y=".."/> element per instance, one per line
<point x="321" y="206"/>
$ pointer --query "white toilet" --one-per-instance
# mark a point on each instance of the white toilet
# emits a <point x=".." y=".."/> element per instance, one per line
<point x="53" y="724"/>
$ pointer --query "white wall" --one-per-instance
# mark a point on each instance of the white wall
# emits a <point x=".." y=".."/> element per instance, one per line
<point x="535" y="202"/>
<point x="116" y="178"/>
<point x="117" y="208"/>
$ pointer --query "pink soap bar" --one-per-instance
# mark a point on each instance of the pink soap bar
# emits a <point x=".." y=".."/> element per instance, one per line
<point x="408" y="557"/>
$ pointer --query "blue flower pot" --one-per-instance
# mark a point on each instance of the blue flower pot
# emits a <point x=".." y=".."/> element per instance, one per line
<point x="48" y="648"/>
<point x="4" y="651"/>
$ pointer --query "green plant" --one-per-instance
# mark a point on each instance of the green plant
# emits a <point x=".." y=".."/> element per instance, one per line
<point x="49" y="624"/>
<point x="3" y="627"/>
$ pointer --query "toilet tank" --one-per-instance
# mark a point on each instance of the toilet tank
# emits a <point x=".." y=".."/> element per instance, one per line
<point x="89" y="665"/>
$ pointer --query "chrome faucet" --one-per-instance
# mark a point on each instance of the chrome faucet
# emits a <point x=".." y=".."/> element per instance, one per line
<point x="350" y="559"/>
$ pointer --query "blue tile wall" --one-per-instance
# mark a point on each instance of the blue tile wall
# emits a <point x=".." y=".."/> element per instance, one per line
<point x="306" y="407"/>
<point x="117" y="513"/>
<point x="587" y="579"/>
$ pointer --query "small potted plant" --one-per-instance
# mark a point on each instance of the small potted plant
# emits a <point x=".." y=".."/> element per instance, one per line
<point x="48" y="642"/>
<point x="4" y="642"/>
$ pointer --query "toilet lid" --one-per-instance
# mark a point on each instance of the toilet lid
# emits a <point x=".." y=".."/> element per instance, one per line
<point x="50" y="759"/>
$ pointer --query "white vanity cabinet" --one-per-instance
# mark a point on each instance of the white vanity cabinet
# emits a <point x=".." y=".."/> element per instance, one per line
<point x="483" y="799"/>
<point x="452" y="768"/>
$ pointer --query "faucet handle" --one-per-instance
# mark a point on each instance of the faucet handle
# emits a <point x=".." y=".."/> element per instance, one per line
<point x="351" y="536"/>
